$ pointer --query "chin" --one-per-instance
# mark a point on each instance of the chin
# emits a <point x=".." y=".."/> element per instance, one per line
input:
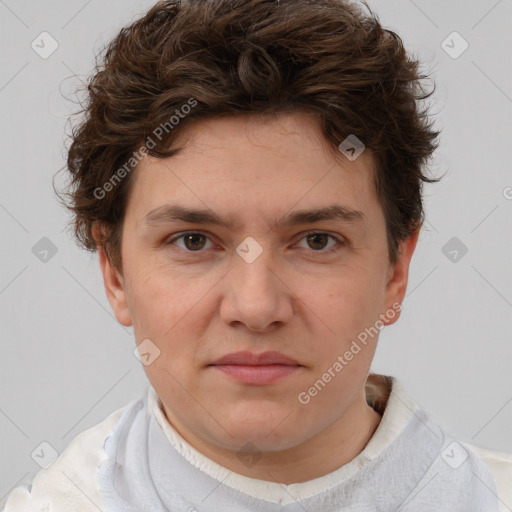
<point x="266" y="433"/>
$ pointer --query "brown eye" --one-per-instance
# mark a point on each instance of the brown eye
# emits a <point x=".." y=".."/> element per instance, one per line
<point x="191" y="242"/>
<point x="317" y="240"/>
<point x="194" y="241"/>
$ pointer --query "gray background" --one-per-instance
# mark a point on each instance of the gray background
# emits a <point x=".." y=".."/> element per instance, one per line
<point x="65" y="361"/>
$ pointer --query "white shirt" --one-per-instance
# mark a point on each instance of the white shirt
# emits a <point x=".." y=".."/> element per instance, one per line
<point x="135" y="461"/>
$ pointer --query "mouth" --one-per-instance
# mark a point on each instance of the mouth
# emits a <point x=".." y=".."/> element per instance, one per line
<point x="256" y="369"/>
<point x="257" y="374"/>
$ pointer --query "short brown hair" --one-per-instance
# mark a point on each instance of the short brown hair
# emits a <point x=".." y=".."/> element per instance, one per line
<point x="230" y="57"/>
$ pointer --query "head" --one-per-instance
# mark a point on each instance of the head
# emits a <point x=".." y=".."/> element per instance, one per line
<point x="243" y="109"/>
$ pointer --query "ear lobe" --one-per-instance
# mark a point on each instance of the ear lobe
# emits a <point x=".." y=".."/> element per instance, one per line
<point x="114" y="284"/>
<point x="398" y="276"/>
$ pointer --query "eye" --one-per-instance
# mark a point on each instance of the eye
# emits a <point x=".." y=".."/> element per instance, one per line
<point x="318" y="240"/>
<point x="193" y="241"/>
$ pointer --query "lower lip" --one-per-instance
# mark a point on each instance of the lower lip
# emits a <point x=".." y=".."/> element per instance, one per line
<point x="257" y="374"/>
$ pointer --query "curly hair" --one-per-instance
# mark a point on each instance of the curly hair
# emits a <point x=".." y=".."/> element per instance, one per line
<point x="229" y="57"/>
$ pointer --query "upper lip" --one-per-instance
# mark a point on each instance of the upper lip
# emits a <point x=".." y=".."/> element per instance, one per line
<point x="249" y="358"/>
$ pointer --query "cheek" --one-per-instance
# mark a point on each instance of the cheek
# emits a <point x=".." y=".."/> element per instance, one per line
<point x="157" y="296"/>
<point x="172" y="310"/>
<point x="164" y="314"/>
<point x="343" y="304"/>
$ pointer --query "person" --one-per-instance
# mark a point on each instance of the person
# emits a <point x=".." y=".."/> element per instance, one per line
<point x="250" y="173"/>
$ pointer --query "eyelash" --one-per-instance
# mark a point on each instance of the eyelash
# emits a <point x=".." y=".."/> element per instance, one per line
<point x="339" y="241"/>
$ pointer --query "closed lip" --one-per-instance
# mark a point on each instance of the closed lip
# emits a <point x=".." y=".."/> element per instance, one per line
<point x="251" y="359"/>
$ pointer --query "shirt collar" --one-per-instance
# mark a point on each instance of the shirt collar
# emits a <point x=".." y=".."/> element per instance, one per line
<point x="398" y="411"/>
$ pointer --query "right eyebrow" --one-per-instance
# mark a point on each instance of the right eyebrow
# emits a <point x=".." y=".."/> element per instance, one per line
<point x="176" y="213"/>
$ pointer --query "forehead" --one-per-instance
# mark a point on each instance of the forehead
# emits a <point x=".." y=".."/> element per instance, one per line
<point x="250" y="160"/>
<point x="288" y="136"/>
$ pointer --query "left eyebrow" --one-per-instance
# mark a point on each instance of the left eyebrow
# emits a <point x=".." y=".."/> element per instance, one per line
<point x="332" y="212"/>
<point x="176" y="213"/>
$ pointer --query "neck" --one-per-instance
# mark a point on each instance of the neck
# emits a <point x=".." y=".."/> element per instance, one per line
<point x="330" y="449"/>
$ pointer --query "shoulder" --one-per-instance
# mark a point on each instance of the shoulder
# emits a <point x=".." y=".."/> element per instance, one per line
<point x="458" y="470"/>
<point x="70" y="482"/>
<point x="500" y="466"/>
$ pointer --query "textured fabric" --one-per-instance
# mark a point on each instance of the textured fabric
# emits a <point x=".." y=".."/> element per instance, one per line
<point x="136" y="461"/>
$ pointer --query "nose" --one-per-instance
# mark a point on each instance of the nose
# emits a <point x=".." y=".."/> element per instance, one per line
<point x="256" y="295"/>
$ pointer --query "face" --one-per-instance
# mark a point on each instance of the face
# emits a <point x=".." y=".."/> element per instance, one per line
<point x="264" y="279"/>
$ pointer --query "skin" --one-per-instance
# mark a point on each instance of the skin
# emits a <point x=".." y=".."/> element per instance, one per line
<point x="198" y="305"/>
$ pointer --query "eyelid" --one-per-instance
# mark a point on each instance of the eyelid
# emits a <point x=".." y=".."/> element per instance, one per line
<point x="336" y="236"/>
<point x="176" y="236"/>
<point x="341" y="241"/>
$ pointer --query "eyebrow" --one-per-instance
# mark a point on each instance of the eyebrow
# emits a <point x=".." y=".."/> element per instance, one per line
<point x="176" y="213"/>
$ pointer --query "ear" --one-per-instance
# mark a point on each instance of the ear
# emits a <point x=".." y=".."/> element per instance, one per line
<point x="398" y="275"/>
<point x="114" y="284"/>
